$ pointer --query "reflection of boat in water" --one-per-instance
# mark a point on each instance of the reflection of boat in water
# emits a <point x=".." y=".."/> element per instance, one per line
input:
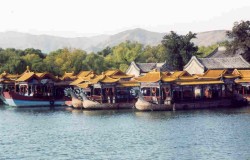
<point x="99" y="112"/>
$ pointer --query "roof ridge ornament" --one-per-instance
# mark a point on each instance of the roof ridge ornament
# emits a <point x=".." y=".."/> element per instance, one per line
<point x="27" y="69"/>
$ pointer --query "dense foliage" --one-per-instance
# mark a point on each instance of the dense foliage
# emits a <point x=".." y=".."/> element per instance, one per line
<point x="241" y="39"/>
<point x="179" y="49"/>
<point x="67" y="60"/>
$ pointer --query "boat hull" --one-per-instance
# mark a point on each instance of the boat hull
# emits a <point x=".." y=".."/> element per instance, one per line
<point x="92" y="105"/>
<point x="143" y="105"/>
<point x="76" y="103"/>
<point x="16" y="100"/>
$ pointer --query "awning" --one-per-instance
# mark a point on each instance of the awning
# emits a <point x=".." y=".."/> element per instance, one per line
<point x="247" y="80"/>
<point x="128" y="84"/>
<point x="200" y="83"/>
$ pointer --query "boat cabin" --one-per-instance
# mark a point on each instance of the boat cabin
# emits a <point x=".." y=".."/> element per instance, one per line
<point x="243" y="82"/>
<point x="37" y="85"/>
<point x="7" y="81"/>
<point x="161" y="87"/>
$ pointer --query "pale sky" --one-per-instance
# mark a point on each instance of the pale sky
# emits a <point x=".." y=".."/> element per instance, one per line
<point x="70" y="18"/>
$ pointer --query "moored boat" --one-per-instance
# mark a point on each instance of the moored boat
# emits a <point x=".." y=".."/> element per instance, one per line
<point x="7" y="83"/>
<point x="180" y="90"/>
<point x="143" y="105"/>
<point x="110" y="90"/>
<point x="75" y="102"/>
<point x="35" y="90"/>
<point x="17" y="100"/>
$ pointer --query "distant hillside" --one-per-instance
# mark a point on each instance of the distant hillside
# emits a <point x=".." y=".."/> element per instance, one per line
<point x="48" y="43"/>
<point x="210" y="37"/>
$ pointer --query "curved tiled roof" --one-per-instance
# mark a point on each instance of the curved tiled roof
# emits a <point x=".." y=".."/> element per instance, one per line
<point x="219" y="52"/>
<point x="224" y="63"/>
<point x="84" y="73"/>
<point x="153" y="76"/>
<point x="117" y="74"/>
<point x="27" y="76"/>
<point x="147" y="67"/>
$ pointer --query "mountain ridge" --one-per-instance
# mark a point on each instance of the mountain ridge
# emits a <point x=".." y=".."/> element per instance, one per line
<point x="48" y="43"/>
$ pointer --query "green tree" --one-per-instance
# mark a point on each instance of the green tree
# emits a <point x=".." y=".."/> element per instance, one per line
<point x="34" y="51"/>
<point x="94" y="62"/>
<point x="106" y="51"/>
<point x="123" y="54"/>
<point x="241" y="39"/>
<point x="65" y="60"/>
<point x="35" y="62"/>
<point x="179" y="49"/>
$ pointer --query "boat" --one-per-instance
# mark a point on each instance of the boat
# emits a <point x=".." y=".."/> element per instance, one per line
<point x="110" y="90"/>
<point x="180" y="90"/>
<point x="17" y="100"/>
<point x="7" y="83"/>
<point x="75" y="102"/>
<point x="143" y="105"/>
<point x="35" y="90"/>
<point x="94" y="105"/>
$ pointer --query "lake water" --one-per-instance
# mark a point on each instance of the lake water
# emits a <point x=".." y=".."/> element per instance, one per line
<point x="125" y="134"/>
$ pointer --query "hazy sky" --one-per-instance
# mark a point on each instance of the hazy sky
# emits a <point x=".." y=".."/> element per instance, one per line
<point x="91" y="17"/>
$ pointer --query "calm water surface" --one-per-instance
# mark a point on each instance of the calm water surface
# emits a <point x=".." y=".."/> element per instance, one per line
<point x="66" y="134"/>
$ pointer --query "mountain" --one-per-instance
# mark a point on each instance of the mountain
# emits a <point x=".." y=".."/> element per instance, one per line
<point x="210" y="37"/>
<point x="48" y="43"/>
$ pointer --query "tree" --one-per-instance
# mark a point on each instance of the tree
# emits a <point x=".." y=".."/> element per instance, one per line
<point x="34" y="51"/>
<point x="179" y="49"/>
<point x="106" y="51"/>
<point x="35" y="62"/>
<point x="94" y="62"/>
<point x="241" y="39"/>
<point x="124" y="53"/>
<point x="152" y="54"/>
<point x="65" y="60"/>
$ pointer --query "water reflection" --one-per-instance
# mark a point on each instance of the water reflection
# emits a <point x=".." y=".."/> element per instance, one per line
<point x="156" y="115"/>
<point x="56" y="133"/>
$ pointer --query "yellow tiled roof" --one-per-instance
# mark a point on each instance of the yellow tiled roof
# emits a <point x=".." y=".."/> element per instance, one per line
<point x="68" y="76"/>
<point x="122" y="76"/>
<point x="178" y="74"/>
<point x="26" y="76"/>
<point x="243" y="80"/>
<point x="183" y="76"/>
<point x="103" y="79"/>
<point x="111" y="72"/>
<point x="107" y="79"/>
<point x="244" y="73"/>
<point x="214" y="74"/>
<point x="128" y="84"/>
<point x="166" y="77"/>
<point x="83" y="85"/>
<point x="6" y="75"/>
<point x="84" y="73"/>
<point x="200" y="82"/>
<point x="153" y="76"/>
<point x="77" y="81"/>
<point x="117" y="74"/>
<point x="46" y="74"/>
